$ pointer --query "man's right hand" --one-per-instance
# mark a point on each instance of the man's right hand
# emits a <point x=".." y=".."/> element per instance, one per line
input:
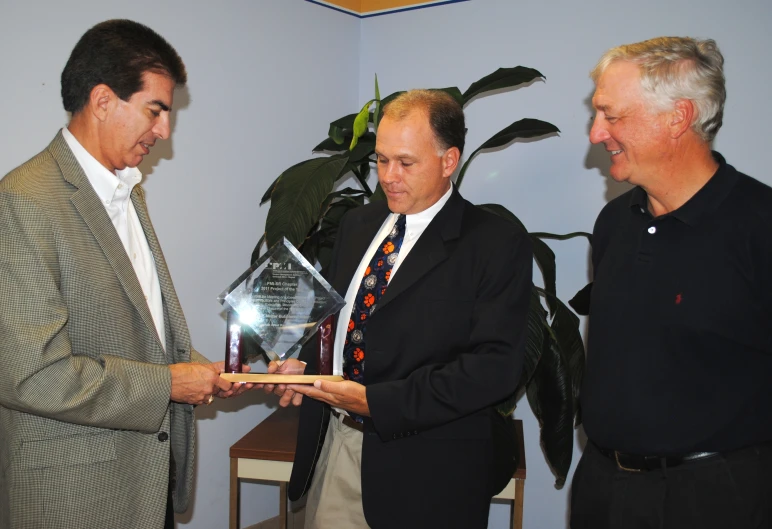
<point x="194" y="383"/>
<point x="290" y="366"/>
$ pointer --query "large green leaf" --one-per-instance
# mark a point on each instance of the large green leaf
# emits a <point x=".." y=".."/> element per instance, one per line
<point x="349" y="192"/>
<point x="364" y="148"/>
<point x="524" y="128"/>
<point x="378" y="194"/>
<point x="545" y="258"/>
<point x="360" y="124"/>
<point x="258" y="247"/>
<point x="321" y="237"/>
<point x="269" y="192"/>
<point x="534" y="341"/>
<point x="330" y="145"/>
<point x="377" y="109"/>
<point x="360" y="171"/>
<point x="550" y="388"/>
<point x="564" y="237"/>
<point x="501" y="78"/>
<point x="531" y="387"/>
<point x="565" y="327"/>
<point x="340" y="126"/>
<point x="329" y="227"/>
<point x="536" y="323"/>
<point x="296" y="200"/>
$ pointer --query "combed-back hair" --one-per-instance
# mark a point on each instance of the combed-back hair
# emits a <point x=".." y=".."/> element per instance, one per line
<point x="117" y="53"/>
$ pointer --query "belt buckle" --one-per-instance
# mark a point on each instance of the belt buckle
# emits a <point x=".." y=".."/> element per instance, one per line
<point x="622" y="467"/>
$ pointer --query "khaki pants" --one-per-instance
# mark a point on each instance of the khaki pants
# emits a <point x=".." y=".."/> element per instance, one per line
<point x="335" y="495"/>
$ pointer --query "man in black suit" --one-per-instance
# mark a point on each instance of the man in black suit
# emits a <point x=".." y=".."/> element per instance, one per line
<point x="431" y="339"/>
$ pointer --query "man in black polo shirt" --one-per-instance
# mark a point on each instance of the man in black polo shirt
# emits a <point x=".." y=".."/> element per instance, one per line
<point x="676" y="399"/>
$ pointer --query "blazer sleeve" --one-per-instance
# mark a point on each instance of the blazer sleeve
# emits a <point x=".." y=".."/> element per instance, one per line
<point x="488" y="366"/>
<point x="41" y="374"/>
<point x="195" y="356"/>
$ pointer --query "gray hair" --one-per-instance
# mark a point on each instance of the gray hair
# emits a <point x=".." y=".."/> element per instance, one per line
<point x="674" y="68"/>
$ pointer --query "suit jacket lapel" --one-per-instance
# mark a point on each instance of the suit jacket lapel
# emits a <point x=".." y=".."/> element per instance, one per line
<point x="90" y="208"/>
<point x="430" y="249"/>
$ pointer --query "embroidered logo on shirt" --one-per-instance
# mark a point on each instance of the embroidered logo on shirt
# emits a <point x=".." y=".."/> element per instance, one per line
<point x="679" y="298"/>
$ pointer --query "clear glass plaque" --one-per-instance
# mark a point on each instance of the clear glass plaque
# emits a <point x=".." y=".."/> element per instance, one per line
<point x="283" y="298"/>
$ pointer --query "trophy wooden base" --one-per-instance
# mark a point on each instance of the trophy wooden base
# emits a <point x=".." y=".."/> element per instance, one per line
<point x="266" y="378"/>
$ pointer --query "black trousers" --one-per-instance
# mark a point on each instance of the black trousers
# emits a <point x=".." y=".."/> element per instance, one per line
<point x="732" y="491"/>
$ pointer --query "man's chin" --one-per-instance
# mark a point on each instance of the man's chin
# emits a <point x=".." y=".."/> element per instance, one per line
<point x="618" y="175"/>
<point x="394" y="204"/>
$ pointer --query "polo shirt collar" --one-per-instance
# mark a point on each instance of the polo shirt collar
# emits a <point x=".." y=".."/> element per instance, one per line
<point x="704" y="202"/>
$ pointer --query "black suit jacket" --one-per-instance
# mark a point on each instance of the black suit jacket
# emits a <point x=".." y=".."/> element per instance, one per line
<point x="444" y="345"/>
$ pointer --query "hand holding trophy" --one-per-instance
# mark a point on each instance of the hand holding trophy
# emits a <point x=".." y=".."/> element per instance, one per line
<point x="283" y="299"/>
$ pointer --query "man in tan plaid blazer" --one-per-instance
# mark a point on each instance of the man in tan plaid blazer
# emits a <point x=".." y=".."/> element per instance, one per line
<point x="98" y="378"/>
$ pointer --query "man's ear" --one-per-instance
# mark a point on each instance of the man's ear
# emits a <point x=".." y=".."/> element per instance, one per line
<point x="101" y="100"/>
<point x="450" y="161"/>
<point x="681" y="118"/>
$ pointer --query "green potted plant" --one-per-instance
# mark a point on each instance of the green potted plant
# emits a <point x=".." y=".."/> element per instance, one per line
<point x="307" y="205"/>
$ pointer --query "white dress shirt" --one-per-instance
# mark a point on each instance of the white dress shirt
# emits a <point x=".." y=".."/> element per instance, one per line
<point x="414" y="226"/>
<point x="114" y="190"/>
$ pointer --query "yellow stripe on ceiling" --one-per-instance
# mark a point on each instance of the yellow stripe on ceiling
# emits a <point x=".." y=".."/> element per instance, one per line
<point x="372" y="7"/>
<point x="369" y="6"/>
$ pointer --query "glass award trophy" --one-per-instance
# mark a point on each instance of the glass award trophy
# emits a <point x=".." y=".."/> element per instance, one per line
<point x="284" y="300"/>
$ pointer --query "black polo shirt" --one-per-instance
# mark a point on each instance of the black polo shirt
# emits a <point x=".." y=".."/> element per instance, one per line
<point x="680" y="338"/>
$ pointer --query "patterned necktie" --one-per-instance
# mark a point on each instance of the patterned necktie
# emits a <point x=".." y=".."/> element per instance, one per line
<point x="373" y="286"/>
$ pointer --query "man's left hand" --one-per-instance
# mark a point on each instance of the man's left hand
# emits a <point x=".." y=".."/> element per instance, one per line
<point x="346" y="395"/>
<point x="237" y="388"/>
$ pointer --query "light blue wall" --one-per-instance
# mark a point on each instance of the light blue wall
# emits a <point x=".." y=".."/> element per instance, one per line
<point x="267" y="76"/>
<point x="558" y="184"/>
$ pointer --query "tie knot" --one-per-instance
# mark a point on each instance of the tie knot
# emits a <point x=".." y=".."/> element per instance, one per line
<point x="401" y="220"/>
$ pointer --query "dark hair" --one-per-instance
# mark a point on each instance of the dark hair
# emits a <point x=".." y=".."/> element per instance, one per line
<point x="446" y="117"/>
<point x="117" y="53"/>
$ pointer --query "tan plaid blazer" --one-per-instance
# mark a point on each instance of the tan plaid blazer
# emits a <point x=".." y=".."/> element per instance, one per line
<point x="86" y="426"/>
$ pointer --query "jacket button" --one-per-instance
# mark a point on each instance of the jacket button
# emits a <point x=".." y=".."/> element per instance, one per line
<point x="163" y="437"/>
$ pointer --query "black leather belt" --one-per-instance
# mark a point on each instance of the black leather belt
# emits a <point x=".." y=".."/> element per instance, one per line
<point x="348" y="421"/>
<point x="639" y="463"/>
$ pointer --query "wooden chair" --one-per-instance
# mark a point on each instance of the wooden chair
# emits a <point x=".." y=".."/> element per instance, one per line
<point x="266" y="454"/>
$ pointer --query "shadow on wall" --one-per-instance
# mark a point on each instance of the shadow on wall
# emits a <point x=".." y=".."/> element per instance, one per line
<point x="163" y="149"/>
<point x="598" y="158"/>
<point x="209" y="413"/>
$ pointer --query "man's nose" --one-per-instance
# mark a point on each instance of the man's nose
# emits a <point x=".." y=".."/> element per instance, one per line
<point x="162" y="128"/>
<point x="598" y="134"/>
<point x="387" y="173"/>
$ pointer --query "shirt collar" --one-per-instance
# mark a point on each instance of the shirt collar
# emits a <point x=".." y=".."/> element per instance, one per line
<point x="110" y="187"/>
<point x="705" y="201"/>
<point x="419" y="221"/>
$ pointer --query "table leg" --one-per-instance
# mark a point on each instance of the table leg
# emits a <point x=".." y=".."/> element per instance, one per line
<point x="517" y="505"/>
<point x="234" y="499"/>
<point x="283" y="505"/>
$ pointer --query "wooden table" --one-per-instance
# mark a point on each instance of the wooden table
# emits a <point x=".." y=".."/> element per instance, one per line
<point x="266" y="454"/>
